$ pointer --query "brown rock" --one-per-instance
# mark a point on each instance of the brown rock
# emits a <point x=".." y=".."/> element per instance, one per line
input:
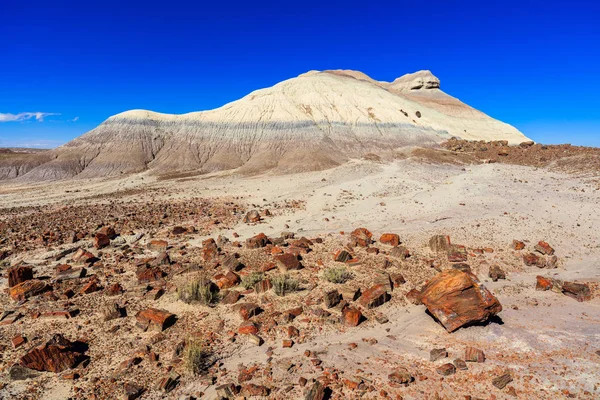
<point x="342" y="256"/>
<point x="227" y="391"/>
<point x="19" y="274"/>
<point x="90" y="287"/>
<point x="18" y="341"/>
<point x="496" y="273"/>
<point x="446" y="369"/>
<point x="501" y="381"/>
<point x="258" y="241"/>
<point x="351" y="316"/>
<point x="248" y="310"/>
<point x="230" y="297"/>
<point x="455" y="299"/>
<point x="439" y="243"/>
<point x="131" y="391"/>
<point x="287" y="262"/>
<point x="391" y="239"/>
<point x="474" y="355"/>
<point x="437" y="354"/>
<point x="518" y="245"/>
<point x="84" y="256"/>
<point x="460" y="364"/>
<point x="248" y="328"/>
<point x="251" y="389"/>
<point x="543" y="283"/>
<point x="252" y="216"/>
<point x="178" y="230"/>
<point x="287" y="343"/>
<point x="401" y="252"/>
<point x="153" y="318"/>
<point x="149" y="274"/>
<point x="362" y="237"/>
<point x="374" y="296"/>
<point x="57" y="355"/>
<point x="101" y="241"/>
<point x="457" y="254"/>
<point x="332" y="298"/>
<point x="414" y="296"/>
<point x="544" y="248"/>
<point x="317" y="391"/>
<point x="531" y="259"/>
<point x="578" y="291"/>
<point x="114" y="289"/>
<point x="108" y="231"/>
<point x="168" y="383"/>
<point x="158" y="245"/>
<point x="227" y="280"/>
<point x="400" y="376"/>
<point x="263" y="286"/>
<point x="27" y="289"/>
<point x="292" y="331"/>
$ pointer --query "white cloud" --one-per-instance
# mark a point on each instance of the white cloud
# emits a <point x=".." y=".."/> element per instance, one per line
<point x="74" y="119"/>
<point x="24" y="116"/>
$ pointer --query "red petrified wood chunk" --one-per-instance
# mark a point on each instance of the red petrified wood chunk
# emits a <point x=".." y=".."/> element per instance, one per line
<point x="455" y="299"/>
<point x="155" y="318"/>
<point x="351" y="316"/>
<point x="57" y="355"/>
<point x="19" y="275"/>
<point x="374" y="296"/>
<point x="362" y="236"/>
<point x="390" y="238"/>
<point x="287" y="262"/>
<point x="27" y="289"/>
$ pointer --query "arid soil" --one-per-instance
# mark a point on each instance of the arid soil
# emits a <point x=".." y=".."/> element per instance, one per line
<point x="488" y="291"/>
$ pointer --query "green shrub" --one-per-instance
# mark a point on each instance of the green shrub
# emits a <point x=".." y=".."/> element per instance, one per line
<point x="197" y="290"/>
<point x="195" y="357"/>
<point x="252" y="279"/>
<point x="337" y="274"/>
<point x="283" y="284"/>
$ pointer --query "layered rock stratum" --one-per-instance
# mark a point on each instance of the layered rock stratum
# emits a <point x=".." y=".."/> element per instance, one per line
<point x="315" y="121"/>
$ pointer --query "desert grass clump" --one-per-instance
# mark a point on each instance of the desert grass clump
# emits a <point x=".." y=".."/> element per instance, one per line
<point x="337" y="274"/>
<point x="283" y="284"/>
<point x="195" y="357"/>
<point x="197" y="290"/>
<point x="252" y="279"/>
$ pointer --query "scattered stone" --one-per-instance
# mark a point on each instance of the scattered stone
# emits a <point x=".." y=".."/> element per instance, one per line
<point x="101" y="241"/>
<point x="578" y="291"/>
<point x="400" y="376"/>
<point x="446" y="369"/>
<point x="132" y="391"/>
<point x="351" y="316"/>
<point x="56" y="355"/>
<point x="457" y="254"/>
<point x="252" y="216"/>
<point x="230" y="297"/>
<point x="317" y="391"/>
<point x="462" y="267"/>
<point x="414" y="297"/>
<point x="460" y="364"/>
<point x="332" y="298"/>
<point x="248" y="328"/>
<point x="496" y="273"/>
<point x="258" y="241"/>
<point x="437" y="354"/>
<point x="27" y="289"/>
<point x="543" y="284"/>
<point x="391" y="239"/>
<point x="544" y="248"/>
<point x="456" y="299"/>
<point x="227" y="280"/>
<point x="440" y="243"/>
<point x="287" y="262"/>
<point x="248" y="310"/>
<point x="474" y="355"/>
<point x="518" y="245"/>
<point x="362" y="237"/>
<point x="158" y="245"/>
<point x="501" y="381"/>
<point x="342" y="256"/>
<point x="374" y="297"/>
<point x="69" y="273"/>
<point x="227" y="391"/>
<point x="251" y="389"/>
<point x="19" y="274"/>
<point x="287" y="343"/>
<point x="108" y="231"/>
<point x="169" y="383"/>
<point x="18" y="341"/>
<point x="153" y="318"/>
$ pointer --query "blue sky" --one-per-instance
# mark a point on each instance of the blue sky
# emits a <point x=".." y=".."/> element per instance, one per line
<point x="532" y="64"/>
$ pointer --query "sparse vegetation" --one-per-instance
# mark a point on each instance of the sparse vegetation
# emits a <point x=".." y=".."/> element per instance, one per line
<point x="337" y="274"/>
<point x="197" y="290"/>
<point x="283" y="284"/>
<point x="252" y="279"/>
<point x="195" y="357"/>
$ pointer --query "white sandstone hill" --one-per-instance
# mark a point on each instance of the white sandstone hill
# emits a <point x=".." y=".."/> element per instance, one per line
<point x="315" y="121"/>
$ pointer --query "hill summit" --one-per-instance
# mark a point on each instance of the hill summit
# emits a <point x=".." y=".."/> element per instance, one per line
<point x="314" y="121"/>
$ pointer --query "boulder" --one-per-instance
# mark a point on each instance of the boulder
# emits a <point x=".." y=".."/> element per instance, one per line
<point x="287" y="262"/>
<point x="19" y="274"/>
<point x="362" y="237"/>
<point x="456" y="299"/>
<point x="391" y="239"/>
<point x="153" y="318"/>
<point x="27" y="289"/>
<point x="56" y="355"/>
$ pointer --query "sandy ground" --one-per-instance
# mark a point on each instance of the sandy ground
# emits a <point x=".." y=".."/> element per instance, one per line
<point x="551" y="337"/>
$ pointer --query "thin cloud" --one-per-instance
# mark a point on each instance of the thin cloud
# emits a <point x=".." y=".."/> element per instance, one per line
<point x="74" y="119"/>
<point x="25" y="116"/>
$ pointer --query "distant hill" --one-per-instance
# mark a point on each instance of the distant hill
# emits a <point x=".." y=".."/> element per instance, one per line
<point x="314" y="121"/>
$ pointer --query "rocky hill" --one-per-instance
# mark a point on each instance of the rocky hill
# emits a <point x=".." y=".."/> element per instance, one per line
<point x="313" y="122"/>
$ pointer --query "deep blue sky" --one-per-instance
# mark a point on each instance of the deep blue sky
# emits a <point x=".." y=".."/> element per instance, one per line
<point x="533" y="64"/>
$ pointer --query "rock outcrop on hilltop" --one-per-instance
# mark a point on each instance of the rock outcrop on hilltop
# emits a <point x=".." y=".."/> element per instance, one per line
<point x="313" y="122"/>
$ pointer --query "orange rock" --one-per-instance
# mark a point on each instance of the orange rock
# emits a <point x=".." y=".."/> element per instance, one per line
<point x="374" y="296"/>
<point x="19" y="275"/>
<point x="362" y="236"/>
<point x="544" y="248"/>
<point x="390" y="238"/>
<point x="455" y="299"/>
<point x="351" y="316"/>
<point x="247" y="328"/>
<point x="27" y="289"/>
<point x="518" y="245"/>
<point x="155" y="318"/>
<point x="543" y="283"/>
